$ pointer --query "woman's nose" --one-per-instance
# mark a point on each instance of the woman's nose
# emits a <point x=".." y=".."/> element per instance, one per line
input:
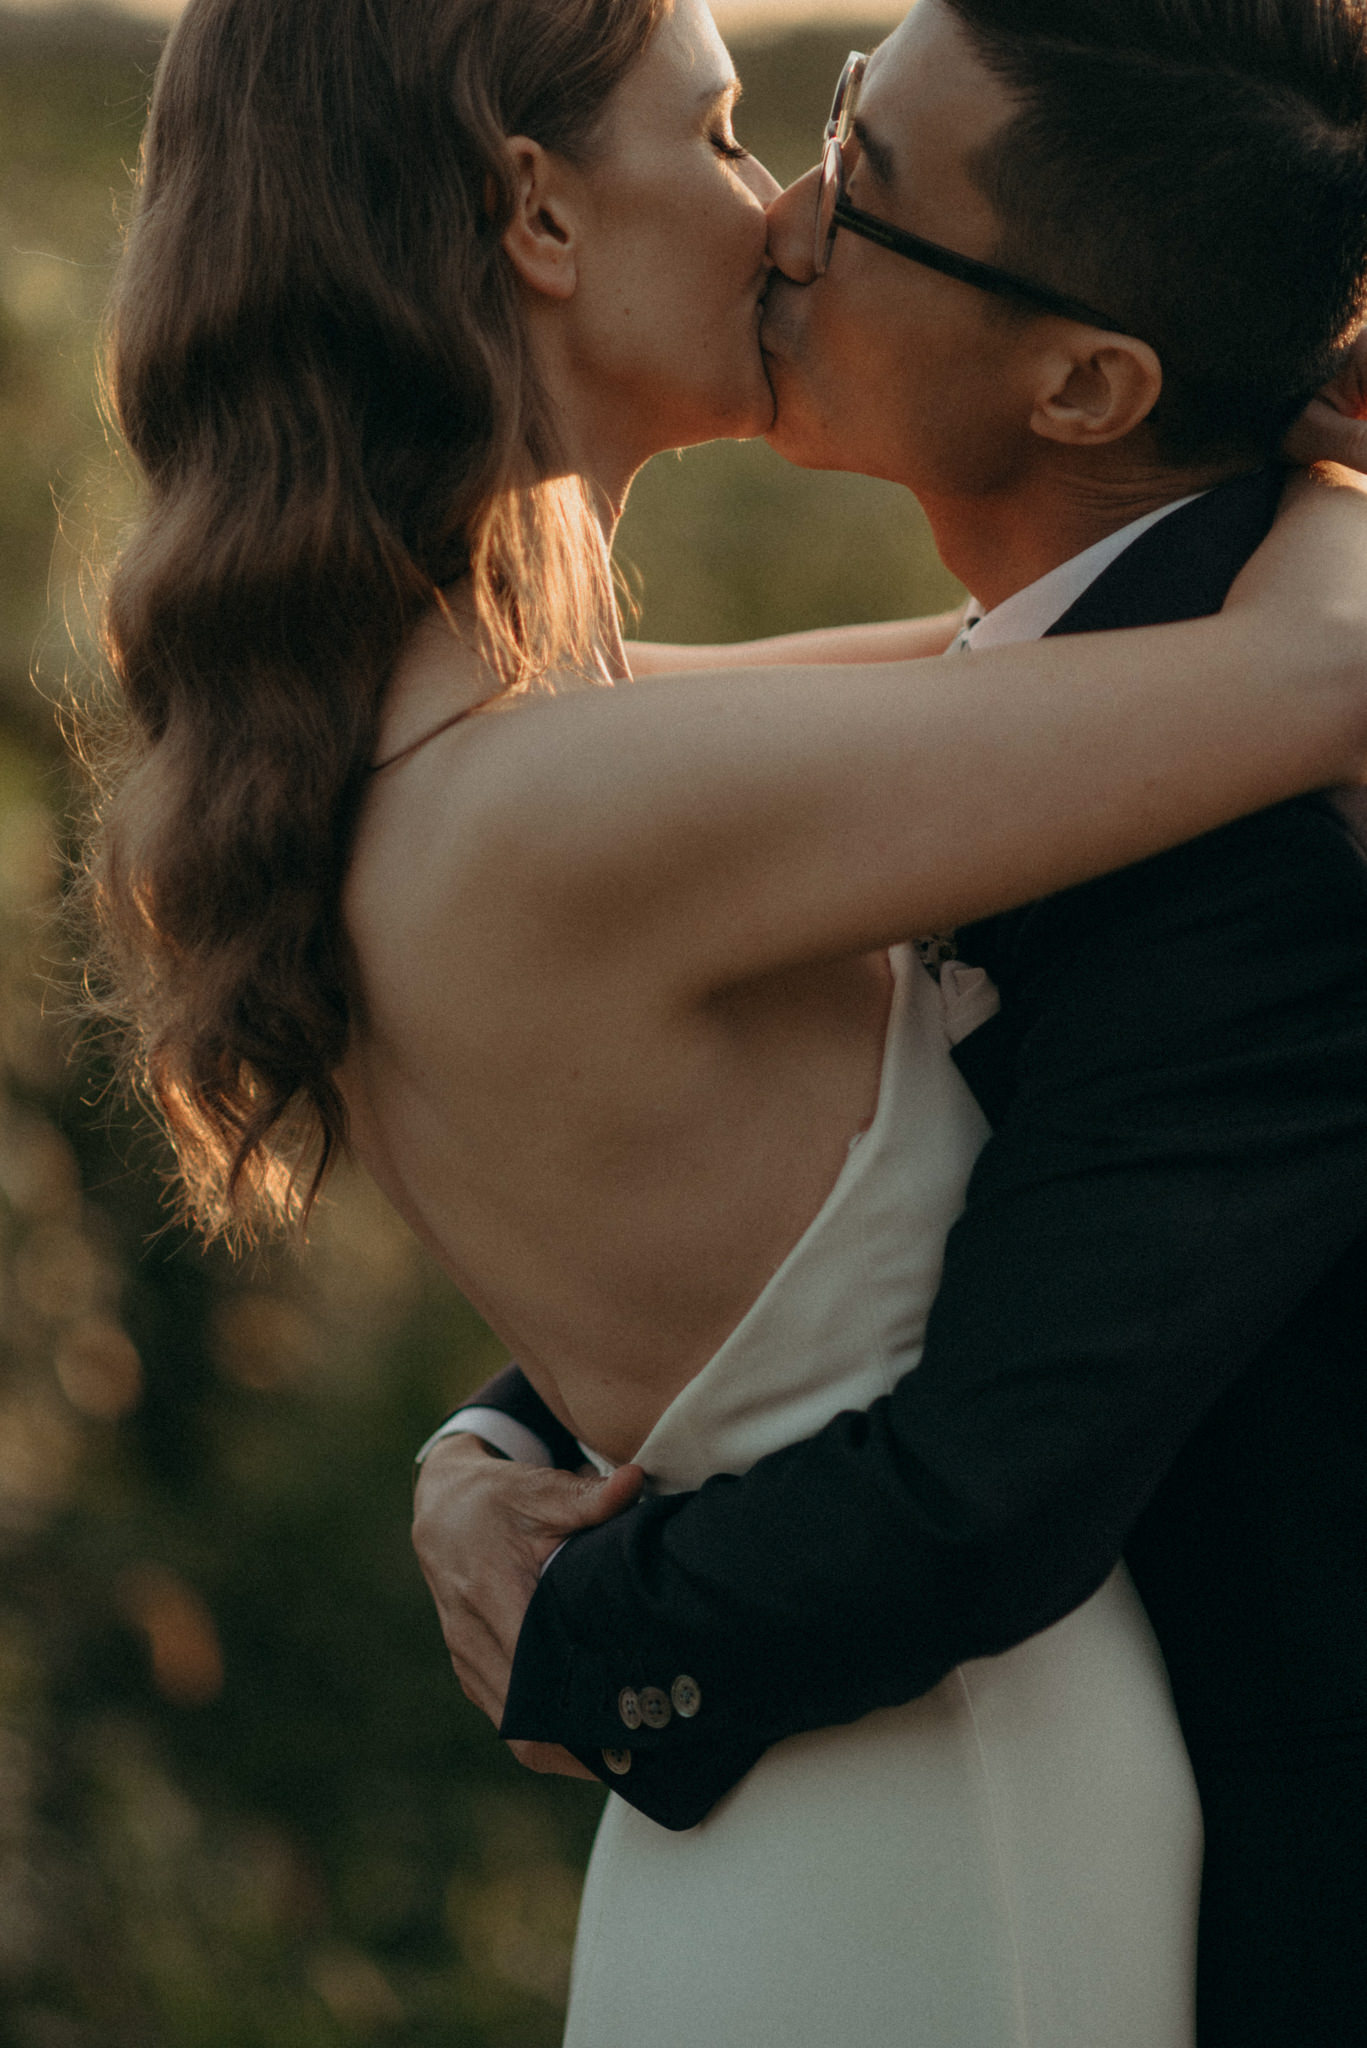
<point x="762" y="183"/>
<point x="792" y="228"/>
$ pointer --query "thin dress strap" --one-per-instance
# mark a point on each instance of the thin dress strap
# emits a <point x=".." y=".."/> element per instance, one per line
<point x="413" y="745"/>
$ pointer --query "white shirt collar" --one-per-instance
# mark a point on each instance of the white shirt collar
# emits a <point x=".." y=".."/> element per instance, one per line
<point x="1028" y="614"/>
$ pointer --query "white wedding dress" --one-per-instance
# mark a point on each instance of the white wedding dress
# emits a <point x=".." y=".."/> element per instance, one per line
<point x="1011" y="1861"/>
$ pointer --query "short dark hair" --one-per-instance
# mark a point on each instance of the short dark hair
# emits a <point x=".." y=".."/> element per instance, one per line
<point x="1198" y="167"/>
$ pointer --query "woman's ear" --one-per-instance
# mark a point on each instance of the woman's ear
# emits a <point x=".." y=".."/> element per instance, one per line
<point x="1094" y="388"/>
<point x="539" y="240"/>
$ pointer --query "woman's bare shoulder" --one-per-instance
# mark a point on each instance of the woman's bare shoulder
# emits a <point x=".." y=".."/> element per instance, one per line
<point x="445" y="847"/>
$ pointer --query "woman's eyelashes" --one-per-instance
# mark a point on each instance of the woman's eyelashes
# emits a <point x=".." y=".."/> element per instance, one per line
<point x="727" y="146"/>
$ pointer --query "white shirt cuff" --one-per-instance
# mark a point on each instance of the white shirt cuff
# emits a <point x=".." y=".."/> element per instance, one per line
<point x="492" y="1426"/>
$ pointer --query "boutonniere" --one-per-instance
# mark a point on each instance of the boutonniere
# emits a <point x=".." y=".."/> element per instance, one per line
<point x="934" y="950"/>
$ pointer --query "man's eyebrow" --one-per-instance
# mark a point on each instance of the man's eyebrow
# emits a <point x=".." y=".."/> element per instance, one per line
<point x="880" y="158"/>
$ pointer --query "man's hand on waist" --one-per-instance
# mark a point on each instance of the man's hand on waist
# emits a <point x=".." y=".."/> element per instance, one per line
<point x="483" y="1529"/>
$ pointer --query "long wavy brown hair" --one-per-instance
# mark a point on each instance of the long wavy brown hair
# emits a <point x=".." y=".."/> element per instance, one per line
<point x="316" y="356"/>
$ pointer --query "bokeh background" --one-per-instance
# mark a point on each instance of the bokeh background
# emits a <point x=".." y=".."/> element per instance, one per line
<point x="242" y="1801"/>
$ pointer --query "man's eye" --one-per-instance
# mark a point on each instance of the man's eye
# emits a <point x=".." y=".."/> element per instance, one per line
<point x="727" y="146"/>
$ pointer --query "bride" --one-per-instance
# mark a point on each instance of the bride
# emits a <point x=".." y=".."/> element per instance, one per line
<point x="606" y="981"/>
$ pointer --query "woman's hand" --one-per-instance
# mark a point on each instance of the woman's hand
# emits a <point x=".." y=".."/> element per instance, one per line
<point x="1333" y="427"/>
<point x="1308" y="578"/>
<point x="1309" y="570"/>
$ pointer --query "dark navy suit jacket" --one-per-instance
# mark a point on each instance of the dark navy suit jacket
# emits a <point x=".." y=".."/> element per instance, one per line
<point x="1150" y="1338"/>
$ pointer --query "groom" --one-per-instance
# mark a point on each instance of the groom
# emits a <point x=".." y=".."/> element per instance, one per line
<point x="1075" y="268"/>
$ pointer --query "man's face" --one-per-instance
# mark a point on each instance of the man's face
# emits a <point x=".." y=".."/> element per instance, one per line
<point x="882" y="365"/>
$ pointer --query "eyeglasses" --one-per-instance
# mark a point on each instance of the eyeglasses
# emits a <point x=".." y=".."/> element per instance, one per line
<point x="833" y="211"/>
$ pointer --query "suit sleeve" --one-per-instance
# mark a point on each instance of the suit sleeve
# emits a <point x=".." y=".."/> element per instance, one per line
<point x="1182" y="1158"/>
<point x="511" y="1393"/>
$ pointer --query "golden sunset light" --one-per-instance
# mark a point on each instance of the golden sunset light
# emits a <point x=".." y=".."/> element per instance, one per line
<point x="742" y="16"/>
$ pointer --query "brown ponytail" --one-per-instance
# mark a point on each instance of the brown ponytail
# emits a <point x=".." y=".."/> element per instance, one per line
<point x="316" y="358"/>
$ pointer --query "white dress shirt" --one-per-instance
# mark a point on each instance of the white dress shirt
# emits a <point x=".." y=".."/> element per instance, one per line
<point x="1028" y="614"/>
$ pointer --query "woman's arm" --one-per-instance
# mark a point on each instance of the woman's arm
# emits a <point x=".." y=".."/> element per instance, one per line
<point x="688" y="838"/>
<point x="886" y="640"/>
<point x="1333" y="428"/>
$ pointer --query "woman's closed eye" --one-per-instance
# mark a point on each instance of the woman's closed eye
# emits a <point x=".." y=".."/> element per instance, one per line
<point x="720" y="117"/>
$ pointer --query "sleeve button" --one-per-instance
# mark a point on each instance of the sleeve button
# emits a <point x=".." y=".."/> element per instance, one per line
<point x="618" y="1761"/>
<point x="686" y="1694"/>
<point x="629" y="1707"/>
<point x="656" y="1711"/>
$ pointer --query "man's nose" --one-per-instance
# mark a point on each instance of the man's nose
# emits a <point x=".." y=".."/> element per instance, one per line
<point x="792" y="228"/>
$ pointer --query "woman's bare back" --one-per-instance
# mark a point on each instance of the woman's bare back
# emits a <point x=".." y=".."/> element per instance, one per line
<point x="609" y="1175"/>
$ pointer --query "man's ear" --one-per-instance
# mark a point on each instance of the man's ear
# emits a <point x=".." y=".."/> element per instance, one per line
<point x="1095" y="388"/>
<point x="539" y="240"/>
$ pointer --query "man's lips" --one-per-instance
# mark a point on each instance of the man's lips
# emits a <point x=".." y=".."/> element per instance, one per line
<point x="768" y="337"/>
<point x="770" y="315"/>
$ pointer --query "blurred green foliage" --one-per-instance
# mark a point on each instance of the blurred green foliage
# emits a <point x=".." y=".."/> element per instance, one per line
<point x="242" y="1801"/>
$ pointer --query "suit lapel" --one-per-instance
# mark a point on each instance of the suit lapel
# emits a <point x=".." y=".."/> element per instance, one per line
<point x="1181" y="568"/>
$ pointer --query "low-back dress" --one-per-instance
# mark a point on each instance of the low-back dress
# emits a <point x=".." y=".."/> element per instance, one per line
<point x="1010" y="1861"/>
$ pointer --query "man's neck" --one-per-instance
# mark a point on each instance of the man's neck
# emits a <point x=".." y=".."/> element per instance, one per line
<point x="998" y="545"/>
